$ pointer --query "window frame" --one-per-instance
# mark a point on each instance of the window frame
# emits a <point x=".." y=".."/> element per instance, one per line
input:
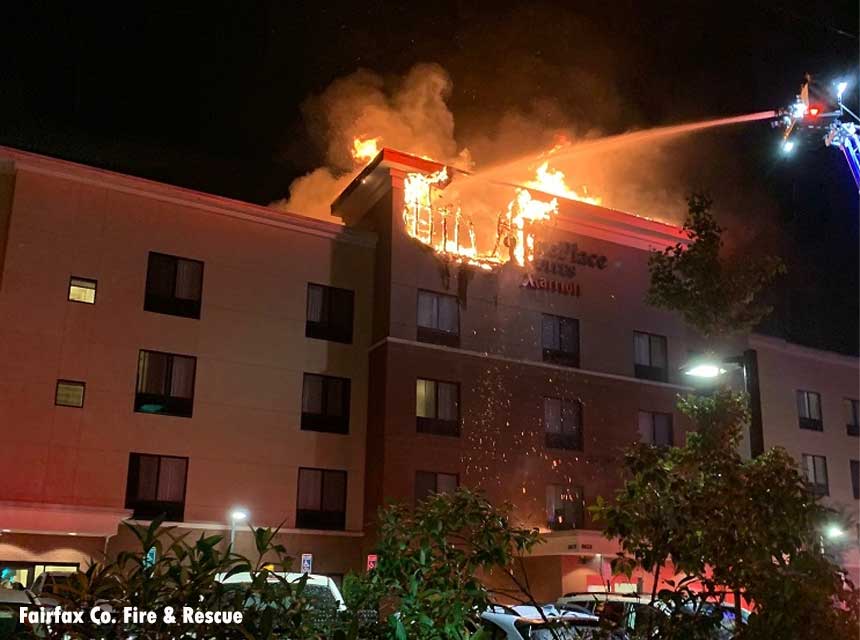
<point x="854" y="470"/>
<point x="560" y="356"/>
<point x="435" y="475"/>
<point x="323" y="422"/>
<point x="650" y="371"/>
<point x="570" y="440"/>
<point x="173" y="405"/>
<point x="435" y="425"/>
<point x="172" y="305"/>
<point x="326" y="329"/>
<point x="316" y="519"/>
<point x="578" y="507"/>
<point x="436" y="335"/>
<point x="80" y="383"/>
<point x="653" y="415"/>
<point x="150" y="509"/>
<point x="853" y="428"/>
<point x="805" y="422"/>
<point x="95" y="284"/>
<point x="816" y="487"/>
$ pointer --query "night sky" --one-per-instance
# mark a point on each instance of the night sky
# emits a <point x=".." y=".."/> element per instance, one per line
<point x="212" y="96"/>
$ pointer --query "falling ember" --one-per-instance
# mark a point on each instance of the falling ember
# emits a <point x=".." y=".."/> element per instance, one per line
<point x="365" y="149"/>
<point x="552" y="181"/>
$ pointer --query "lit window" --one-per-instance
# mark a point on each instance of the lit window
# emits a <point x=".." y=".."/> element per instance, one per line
<point x="809" y="410"/>
<point x="560" y="340"/>
<point x="815" y="469"/>
<point x="174" y="286"/>
<point x="438" y="318"/>
<point x="156" y="486"/>
<point x="165" y="383"/>
<point x="656" y="428"/>
<point x="69" y="394"/>
<point x="321" y="502"/>
<point x="562" y="423"/>
<point x="650" y="360"/>
<point x="437" y="407"/>
<point x="564" y="507"/>
<point x="329" y="313"/>
<point x="82" y="290"/>
<point x="428" y="483"/>
<point x="325" y="404"/>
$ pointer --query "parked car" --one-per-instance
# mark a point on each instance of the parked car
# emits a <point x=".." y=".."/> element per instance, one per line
<point x="52" y="582"/>
<point x="322" y="591"/>
<point x="628" y="611"/>
<point x="11" y="603"/>
<point x="512" y="623"/>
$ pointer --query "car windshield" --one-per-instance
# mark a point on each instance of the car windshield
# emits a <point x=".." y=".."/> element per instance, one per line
<point x="55" y="585"/>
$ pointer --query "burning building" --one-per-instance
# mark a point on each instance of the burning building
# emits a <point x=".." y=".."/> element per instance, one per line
<point x="168" y="351"/>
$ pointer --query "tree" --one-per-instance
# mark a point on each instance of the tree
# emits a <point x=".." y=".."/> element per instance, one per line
<point x="730" y="526"/>
<point x="431" y="558"/>
<point x="715" y="295"/>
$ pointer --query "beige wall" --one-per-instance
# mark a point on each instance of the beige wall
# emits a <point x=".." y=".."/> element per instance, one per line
<point x="244" y="441"/>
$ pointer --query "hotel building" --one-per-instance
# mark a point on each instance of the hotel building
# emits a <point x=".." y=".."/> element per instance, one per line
<point x="168" y="351"/>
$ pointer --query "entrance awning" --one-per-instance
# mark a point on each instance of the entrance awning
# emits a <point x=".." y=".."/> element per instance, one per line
<point x="60" y="519"/>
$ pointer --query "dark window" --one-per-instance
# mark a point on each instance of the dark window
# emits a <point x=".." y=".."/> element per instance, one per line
<point x="562" y="423"/>
<point x="69" y="393"/>
<point x="852" y="419"/>
<point x="438" y="319"/>
<point x="809" y="410"/>
<point x="173" y="285"/>
<point x="427" y="483"/>
<point x="82" y="290"/>
<point x="156" y="486"/>
<point x="325" y="404"/>
<point x="855" y="478"/>
<point x="650" y="361"/>
<point x="165" y="383"/>
<point x="321" y="502"/>
<point x="565" y="507"/>
<point x="437" y="407"/>
<point x="656" y="428"/>
<point x="815" y="470"/>
<point x="560" y="340"/>
<point x="329" y="314"/>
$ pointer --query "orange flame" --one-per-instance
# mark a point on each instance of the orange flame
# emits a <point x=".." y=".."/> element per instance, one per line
<point x="552" y="181"/>
<point x="365" y="149"/>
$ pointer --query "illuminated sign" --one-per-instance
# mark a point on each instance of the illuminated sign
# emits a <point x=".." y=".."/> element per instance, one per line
<point x="307" y="562"/>
<point x="562" y="258"/>
<point x="371" y="561"/>
<point x="566" y="287"/>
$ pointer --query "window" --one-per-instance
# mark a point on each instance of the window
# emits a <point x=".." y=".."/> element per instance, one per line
<point x="809" y="410"/>
<point x="82" y="290"/>
<point x="855" y="478"/>
<point x="165" y="383"/>
<point x="156" y="486"/>
<point x="427" y="483"/>
<point x="852" y="417"/>
<point x="438" y="318"/>
<point x="329" y="313"/>
<point x="656" y="428"/>
<point x="173" y="285"/>
<point x="325" y="404"/>
<point x="815" y="468"/>
<point x="565" y="508"/>
<point x="562" y="423"/>
<point x="321" y="502"/>
<point x="560" y="340"/>
<point x="650" y="361"/>
<point x="437" y="407"/>
<point x="69" y="394"/>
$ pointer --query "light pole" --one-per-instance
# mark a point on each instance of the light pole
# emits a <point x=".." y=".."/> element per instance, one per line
<point x="236" y="515"/>
<point x="709" y="367"/>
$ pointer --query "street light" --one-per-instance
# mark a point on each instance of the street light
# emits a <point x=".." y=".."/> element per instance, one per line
<point x="236" y="516"/>
<point x="834" y="532"/>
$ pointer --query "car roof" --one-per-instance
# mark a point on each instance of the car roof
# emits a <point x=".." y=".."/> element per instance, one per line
<point x="15" y="596"/>
<point x="246" y="576"/>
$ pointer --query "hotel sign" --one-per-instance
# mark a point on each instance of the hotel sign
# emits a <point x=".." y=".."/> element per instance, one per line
<point x="560" y="260"/>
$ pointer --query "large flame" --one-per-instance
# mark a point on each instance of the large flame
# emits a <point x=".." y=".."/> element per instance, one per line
<point x="365" y="149"/>
<point x="552" y="181"/>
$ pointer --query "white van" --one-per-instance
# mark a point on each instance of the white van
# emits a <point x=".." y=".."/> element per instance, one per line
<point x="319" y="589"/>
